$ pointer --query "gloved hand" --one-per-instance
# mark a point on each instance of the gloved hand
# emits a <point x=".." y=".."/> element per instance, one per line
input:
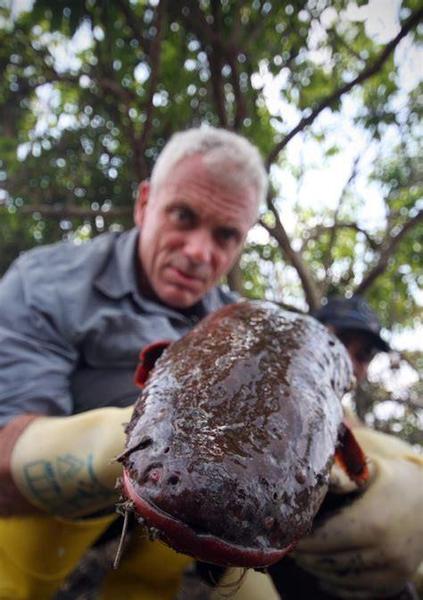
<point x="65" y="465"/>
<point x="372" y="546"/>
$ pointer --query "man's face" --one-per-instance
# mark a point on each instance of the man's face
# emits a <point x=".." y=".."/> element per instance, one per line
<point x="193" y="229"/>
<point x="361" y="349"/>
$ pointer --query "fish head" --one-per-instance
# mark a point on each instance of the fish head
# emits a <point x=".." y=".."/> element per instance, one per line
<point x="231" y="441"/>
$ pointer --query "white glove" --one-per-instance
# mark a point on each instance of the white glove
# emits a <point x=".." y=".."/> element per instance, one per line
<point x="371" y="547"/>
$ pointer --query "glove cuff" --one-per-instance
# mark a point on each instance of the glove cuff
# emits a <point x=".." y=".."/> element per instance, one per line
<point x="65" y="466"/>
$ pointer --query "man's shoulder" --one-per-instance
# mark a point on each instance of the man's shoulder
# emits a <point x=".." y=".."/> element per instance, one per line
<point x="61" y="258"/>
<point x="62" y="271"/>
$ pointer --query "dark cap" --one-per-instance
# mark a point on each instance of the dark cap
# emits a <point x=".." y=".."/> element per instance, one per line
<point x="352" y="313"/>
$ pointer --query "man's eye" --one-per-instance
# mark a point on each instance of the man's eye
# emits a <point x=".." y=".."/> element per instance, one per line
<point x="182" y="216"/>
<point x="226" y="235"/>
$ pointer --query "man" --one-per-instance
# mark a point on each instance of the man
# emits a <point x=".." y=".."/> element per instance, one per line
<point x="363" y="550"/>
<point x="73" y="320"/>
<point x="367" y="554"/>
<point x="72" y="323"/>
<point x="358" y="328"/>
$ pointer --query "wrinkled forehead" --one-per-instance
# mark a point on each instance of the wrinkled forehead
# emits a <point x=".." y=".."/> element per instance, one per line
<point x="222" y="169"/>
<point x="204" y="178"/>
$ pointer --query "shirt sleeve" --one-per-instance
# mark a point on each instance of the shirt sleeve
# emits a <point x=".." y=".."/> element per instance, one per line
<point x="36" y="359"/>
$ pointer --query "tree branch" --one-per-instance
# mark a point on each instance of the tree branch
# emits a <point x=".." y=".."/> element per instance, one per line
<point x="240" y="106"/>
<point x="152" y="49"/>
<point x="132" y="21"/>
<point x="154" y="77"/>
<point x="389" y="245"/>
<point x="195" y="18"/>
<point x="327" y="258"/>
<point x="332" y="33"/>
<point x="212" y="44"/>
<point x="235" y="279"/>
<point x="368" y="72"/>
<point x="289" y="307"/>
<point x="233" y="50"/>
<point x="215" y="63"/>
<point x="319" y="229"/>
<point x="110" y="85"/>
<point x="254" y="28"/>
<point x="124" y="122"/>
<point x="279" y="233"/>
<point x="70" y="211"/>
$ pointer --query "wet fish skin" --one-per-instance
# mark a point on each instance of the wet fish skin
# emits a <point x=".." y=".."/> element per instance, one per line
<point x="236" y="428"/>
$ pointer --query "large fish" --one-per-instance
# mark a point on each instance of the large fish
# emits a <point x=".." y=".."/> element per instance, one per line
<point x="232" y="439"/>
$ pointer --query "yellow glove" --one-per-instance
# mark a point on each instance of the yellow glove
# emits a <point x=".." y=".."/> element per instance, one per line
<point x="371" y="547"/>
<point x="65" y="465"/>
<point x="237" y="584"/>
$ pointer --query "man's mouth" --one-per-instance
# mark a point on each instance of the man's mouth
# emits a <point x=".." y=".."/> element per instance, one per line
<point x="183" y="278"/>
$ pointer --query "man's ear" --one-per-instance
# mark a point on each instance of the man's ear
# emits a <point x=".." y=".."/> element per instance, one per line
<point x="143" y="195"/>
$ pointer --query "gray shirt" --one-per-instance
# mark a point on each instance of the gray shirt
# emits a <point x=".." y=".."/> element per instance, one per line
<point x="73" y="322"/>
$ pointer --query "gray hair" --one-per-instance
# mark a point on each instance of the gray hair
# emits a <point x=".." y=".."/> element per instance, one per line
<point x="218" y="147"/>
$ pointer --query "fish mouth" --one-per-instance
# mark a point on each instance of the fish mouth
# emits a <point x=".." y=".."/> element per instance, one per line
<point x="204" y="547"/>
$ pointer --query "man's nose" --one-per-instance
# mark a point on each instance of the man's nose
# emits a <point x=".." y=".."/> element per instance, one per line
<point x="199" y="246"/>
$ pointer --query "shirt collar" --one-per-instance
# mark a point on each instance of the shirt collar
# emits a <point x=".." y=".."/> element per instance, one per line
<point x="119" y="279"/>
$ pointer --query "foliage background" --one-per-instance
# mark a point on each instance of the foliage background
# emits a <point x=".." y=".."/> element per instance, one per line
<point x="90" y="92"/>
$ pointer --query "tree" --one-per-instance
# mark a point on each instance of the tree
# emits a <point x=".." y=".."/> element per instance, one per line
<point x="91" y="91"/>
